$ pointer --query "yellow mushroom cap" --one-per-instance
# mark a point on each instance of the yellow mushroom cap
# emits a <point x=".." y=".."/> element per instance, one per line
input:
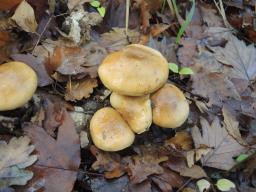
<point x="109" y="131"/>
<point x="135" y="70"/>
<point x="18" y="84"/>
<point x="170" y="107"/>
<point x="135" y="110"/>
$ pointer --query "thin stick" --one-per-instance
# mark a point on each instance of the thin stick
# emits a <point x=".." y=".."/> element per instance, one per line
<point x="127" y="16"/>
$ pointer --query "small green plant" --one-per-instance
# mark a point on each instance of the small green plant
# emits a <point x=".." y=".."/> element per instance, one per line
<point x="182" y="71"/>
<point x="225" y="185"/>
<point x="186" y="22"/>
<point x="97" y="5"/>
<point x="241" y="158"/>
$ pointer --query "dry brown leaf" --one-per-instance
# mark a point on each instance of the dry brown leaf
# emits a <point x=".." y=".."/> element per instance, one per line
<point x="4" y="38"/>
<point x="73" y="3"/>
<point x="24" y="17"/>
<point x="240" y="57"/>
<point x="110" y="163"/>
<point x="179" y="165"/>
<point x="210" y="16"/>
<point x="158" y="28"/>
<point x="181" y="141"/>
<point x="223" y="146"/>
<point x="77" y="90"/>
<point x="37" y="63"/>
<point x="8" y="4"/>
<point x="168" y="180"/>
<point x="231" y="124"/>
<point x="117" y="39"/>
<point x="59" y="160"/>
<point x="215" y="86"/>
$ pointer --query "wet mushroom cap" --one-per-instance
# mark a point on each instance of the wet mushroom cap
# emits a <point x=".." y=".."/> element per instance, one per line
<point x="109" y="131"/>
<point x="170" y="107"/>
<point x="18" y="84"/>
<point x="136" y="70"/>
<point x="135" y="110"/>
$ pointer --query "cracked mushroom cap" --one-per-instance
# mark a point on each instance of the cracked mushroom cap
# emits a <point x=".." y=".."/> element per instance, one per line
<point x="136" y="70"/>
<point x="18" y="84"/>
<point x="135" y="110"/>
<point x="170" y="107"/>
<point x="109" y="131"/>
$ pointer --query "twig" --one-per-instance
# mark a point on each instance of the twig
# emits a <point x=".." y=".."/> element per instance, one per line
<point x="40" y="36"/>
<point x="185" y="184"/>
<point x="127" y="16"/>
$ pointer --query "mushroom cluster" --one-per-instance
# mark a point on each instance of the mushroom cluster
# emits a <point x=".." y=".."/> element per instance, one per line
<point x="137" y="76"/>
<point x="18" y="84"/>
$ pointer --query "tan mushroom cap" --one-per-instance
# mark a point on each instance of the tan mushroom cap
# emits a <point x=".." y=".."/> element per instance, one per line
<point x="135" y="110"/>
<point x="109" y="131"/>
<point x="135" y="70"/>
<point x="18" y="83"/>
<point x="170" y="107"/>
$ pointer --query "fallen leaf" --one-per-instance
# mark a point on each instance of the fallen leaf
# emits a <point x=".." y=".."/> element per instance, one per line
<point x="215" y="86"/>
<point x="37" y="63"/>
<point x="14" y="158"/>
<point x="181" y="141"/>
<point x="168" y="180"/>
<point x="210" y="16"/>
<point x="225" y="185"/>
<point x="4" y="38"/>
<point x="203" y="185"/>
<point x="59" y="160"/>
<point x="8" y="4"/>
<point x="117" y="38"/>
<point x="77" y="90"/>
<point x="108" y="162"/>
<point x="74" y="3"/>
<point x="158" y="28"/>
<point x="24" y="17"/>
<point x="232" y="126"/>
<point x="140" y="167"/>
<point x="76" y="60"/>
<point x="240" y="57"/>
<point x="179" y="165"/>
<point x="223" y="146"/>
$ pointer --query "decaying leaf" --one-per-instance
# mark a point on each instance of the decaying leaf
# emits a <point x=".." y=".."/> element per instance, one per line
<point x="107" y="162"/>
<point x="117" y="39"/>
<point x="8" y="4"/>
<point x="181" y="141"/>
<point x="59" y="160"/>
<point x="14" y="158"/>
<point x="179" y="165"/>
<point x="37" y="63"/>
<point x="223" y="146"/>
<point x="24" y="17"/>
<point x="239" y="57"/>
<point x="232" y="126"/>
<point x="76" y="60"/>
<point x="73" y="3"/>
<point x="77" y="90"/>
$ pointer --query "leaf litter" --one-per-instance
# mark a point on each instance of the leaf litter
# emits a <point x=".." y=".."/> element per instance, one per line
<point x="66" y="52"/>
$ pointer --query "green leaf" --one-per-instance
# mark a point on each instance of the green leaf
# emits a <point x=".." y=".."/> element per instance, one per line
<point x="241" y="158"/>
<point x="174" y="67"/>
<point x="186" y="71"/>
<point x="225" y="185"/>
<point x="95" y="3"/>
<point x="187" y="21"/>
<point x="101" y="11"/>
<point x="203" y="185"/>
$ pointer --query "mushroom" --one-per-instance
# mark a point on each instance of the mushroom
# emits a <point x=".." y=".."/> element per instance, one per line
<point x="135" y="110"/>
<point x="18" y="84"/>
<point x="109" y="131"/>
<point x="136" y="70"/>
<point x="170" y="107"/>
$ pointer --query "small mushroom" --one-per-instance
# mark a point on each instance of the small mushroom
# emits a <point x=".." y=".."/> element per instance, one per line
<point x="136" y="70"/>
<point x="135" y="110"/>
<point x="109" y="131"/>
<point x="170" y="107"/>
<point x="18" y="84"/>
